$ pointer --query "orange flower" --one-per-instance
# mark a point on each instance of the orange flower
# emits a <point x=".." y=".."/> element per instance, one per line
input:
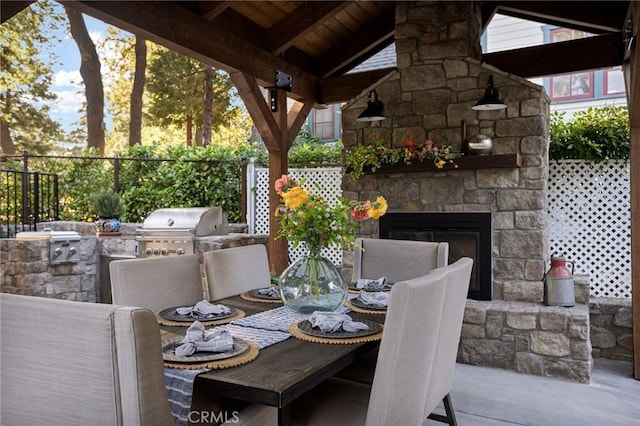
<point x="283" y="184"/>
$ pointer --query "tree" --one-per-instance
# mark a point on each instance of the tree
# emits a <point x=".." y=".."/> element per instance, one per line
<point x="135" y="123"/>
<point x="92" y="78"/>
<point x="25" y="81"/>
<point x="177" y="89"/>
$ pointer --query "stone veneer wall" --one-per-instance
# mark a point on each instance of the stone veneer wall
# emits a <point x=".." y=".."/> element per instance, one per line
<point x="439" y="79"/>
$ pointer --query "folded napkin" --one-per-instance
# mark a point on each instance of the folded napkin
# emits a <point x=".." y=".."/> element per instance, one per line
<point x="200" y="340"/>
<point x="271" y="291"/>
<point x="379" y="284"/>
<point x="330" y="322"/>
<point x="378" y="298"/>
<point x="204" y="309"/>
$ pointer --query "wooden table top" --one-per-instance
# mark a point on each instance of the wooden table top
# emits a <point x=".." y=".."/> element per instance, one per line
<point x="281" y="372"/>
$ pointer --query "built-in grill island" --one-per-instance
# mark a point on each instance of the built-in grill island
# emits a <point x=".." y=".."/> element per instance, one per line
<point x="176" y="231"/>
<point x="63" y="245"/>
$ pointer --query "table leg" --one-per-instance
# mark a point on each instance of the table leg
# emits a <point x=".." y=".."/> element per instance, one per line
<point x="284" y="415"/>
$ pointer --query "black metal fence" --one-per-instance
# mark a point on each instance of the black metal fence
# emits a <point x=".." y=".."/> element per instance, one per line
<point x="27" y="198"/>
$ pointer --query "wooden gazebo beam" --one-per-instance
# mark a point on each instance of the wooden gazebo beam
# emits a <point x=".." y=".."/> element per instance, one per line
<point x="278" y="130"/>
<point x="631" y="69"/>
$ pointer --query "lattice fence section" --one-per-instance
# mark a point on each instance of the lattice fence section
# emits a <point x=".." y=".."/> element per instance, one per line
<point x="321" y="181"/>
<point x="589" y="222"/>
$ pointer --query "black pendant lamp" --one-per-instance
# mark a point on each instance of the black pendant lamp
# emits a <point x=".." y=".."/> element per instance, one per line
<point x="374" y="109"/>
<point x="490" y="101"/>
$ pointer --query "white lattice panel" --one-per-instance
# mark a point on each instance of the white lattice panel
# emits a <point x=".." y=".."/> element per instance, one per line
<point x="589" y="222"/>
<point x="321" y="181"/>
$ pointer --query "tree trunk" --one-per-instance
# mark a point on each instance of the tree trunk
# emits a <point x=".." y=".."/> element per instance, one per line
<point x="135" y="111"/>
<point x="208" y="105"/>
<point x="90" y="72"/>
<point x="189" y="130"/>
<point x="6" y="142"/>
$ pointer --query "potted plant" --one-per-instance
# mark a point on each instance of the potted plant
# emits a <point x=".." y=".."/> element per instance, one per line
<point x="107" y="207"/>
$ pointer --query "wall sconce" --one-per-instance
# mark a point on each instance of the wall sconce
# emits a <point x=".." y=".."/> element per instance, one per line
<point x="374" y="109"/>
<point x="490" y="101"/>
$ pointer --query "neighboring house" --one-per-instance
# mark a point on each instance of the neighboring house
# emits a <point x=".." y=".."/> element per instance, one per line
<point x="568" y="93"/>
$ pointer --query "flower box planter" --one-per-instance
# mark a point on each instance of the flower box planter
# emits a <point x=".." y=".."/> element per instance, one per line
<point x="469" y="162"/>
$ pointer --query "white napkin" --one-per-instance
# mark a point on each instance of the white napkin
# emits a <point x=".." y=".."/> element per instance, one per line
<point x="333" y="321"/>
<point x="271" y="291"/>
<point x="204" y="309"/>
<point x="200" y="340"/>
<point x="379" y="284"/>
<point x="376" y="298"/>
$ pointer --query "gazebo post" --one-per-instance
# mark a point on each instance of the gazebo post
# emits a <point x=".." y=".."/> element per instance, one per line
<point x="278" y="130"/>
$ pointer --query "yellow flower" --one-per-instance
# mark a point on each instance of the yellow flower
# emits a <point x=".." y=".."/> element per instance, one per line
<point x="440" y="164"/>
<point x="295" y="197"/>
<point x="378" y="208"/>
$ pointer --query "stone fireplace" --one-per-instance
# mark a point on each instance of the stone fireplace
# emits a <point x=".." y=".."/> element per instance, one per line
<point x="439" y="78"/>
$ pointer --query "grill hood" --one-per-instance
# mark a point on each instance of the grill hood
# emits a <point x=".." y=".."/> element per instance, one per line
<point x="198" y="221"/>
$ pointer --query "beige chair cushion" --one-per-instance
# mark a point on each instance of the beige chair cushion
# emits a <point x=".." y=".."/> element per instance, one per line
<point x="157" y="283"/>
<point x="76" y="363"/>
<point x="232" y="271"/>
<point x="398" y="260"/>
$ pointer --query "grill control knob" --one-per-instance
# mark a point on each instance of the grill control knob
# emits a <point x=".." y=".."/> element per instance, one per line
<point x="156" y="251"/>
<point x="148" y="252"/>
<point x="57" y="252"/>
<point x="180" y="251"/>
<point x="165" y="252"/>
<point x="72" y="251"/>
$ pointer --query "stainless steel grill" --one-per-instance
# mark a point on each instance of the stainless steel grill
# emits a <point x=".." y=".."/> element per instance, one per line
<point x="172" y="232"/>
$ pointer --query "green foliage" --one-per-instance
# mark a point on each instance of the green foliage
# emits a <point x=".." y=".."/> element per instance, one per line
<point x="106" y="204"/>
<point x="596" y="134"/>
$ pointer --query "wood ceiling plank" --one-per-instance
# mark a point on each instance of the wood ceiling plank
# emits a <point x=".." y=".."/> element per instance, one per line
<point x="211" y="10"/>
<point x="170" y="25"/>
<point x="309" y="16"/>
<point x="12" y="8"/>
<point x="560" y="58"/>
<point x="374" y="34"/>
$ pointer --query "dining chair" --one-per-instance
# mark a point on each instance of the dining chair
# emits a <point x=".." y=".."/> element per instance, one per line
<point x="77" y="363"/>
<point x="234" y="270"/>
<point x="455" y="301"/>
<point x="398" y="260"/>
<point x="157" y="283"/>
<point x="403" y="372"/>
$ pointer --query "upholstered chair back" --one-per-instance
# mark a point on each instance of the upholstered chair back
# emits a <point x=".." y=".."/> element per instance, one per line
<point x="232" y="271"/>
<point x="77" y="364"/>
<point x="157" y="283"/>
<point x="398" y="260"/>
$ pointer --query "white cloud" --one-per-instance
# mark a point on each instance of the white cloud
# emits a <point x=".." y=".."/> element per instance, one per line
<point x="96" y="36"/>
<point x="64" y="78"/>
<point x="68" y="102"/>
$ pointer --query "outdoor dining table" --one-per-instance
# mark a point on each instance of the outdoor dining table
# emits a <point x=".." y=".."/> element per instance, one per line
<point x="281" y="372"/>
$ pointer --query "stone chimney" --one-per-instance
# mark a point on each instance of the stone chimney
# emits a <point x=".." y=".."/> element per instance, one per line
<point x="439" y="78"/>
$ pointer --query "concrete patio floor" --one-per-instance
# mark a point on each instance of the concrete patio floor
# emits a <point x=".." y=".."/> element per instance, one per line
<point x="491" y="397"/>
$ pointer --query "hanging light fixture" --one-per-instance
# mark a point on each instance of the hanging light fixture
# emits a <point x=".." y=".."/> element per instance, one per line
<point x="490" y="101"/>
<point x="374" y="109"/>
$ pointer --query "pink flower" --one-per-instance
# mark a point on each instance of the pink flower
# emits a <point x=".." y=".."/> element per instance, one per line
<point x="283" y="184"/>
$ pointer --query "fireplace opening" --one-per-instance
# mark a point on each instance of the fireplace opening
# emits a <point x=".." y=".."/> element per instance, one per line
<point x="468" y="235"/>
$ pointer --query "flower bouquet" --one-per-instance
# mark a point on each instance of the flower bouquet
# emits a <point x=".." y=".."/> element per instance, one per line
<point x="312" y="282"/>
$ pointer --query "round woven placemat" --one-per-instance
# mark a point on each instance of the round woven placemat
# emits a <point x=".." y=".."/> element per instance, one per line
<point x="169" y="323"/>
<point x="295" y="332"/>
<point x="360" y="310"/>
<point x="250" y="298"/>
<point x="243" y="358"/>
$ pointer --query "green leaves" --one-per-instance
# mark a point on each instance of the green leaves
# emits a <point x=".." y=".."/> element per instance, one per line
<point x="596" y="134"/>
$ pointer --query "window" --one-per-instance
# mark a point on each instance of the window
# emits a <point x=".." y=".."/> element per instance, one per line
<point x="570" y="86"/>
<point x="323" y="123"/>
<point x="613" y="81"/>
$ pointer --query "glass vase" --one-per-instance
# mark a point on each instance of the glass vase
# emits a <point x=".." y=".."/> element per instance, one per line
<point x="312" y="283"/>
